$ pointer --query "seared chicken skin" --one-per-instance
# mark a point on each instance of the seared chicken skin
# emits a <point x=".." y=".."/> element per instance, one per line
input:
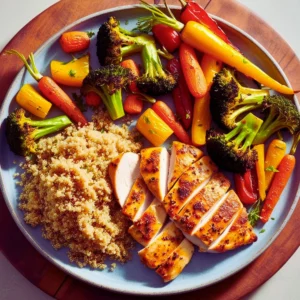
<point x="161" y="248"/>
<point x="176" y="262"/>
<point x="188" y="185"/>
<point x="192" y="213"/>
<point x="138" y="200"/>
<point x="240" y="233"/>
<point x="154" y="170"/>
<point x="149" y="224"/>
<point x="182" y="156"/>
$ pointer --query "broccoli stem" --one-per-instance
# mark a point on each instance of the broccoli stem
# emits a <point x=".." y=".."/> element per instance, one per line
<point x="113" y="103"/>
<point x="296" y="139"/>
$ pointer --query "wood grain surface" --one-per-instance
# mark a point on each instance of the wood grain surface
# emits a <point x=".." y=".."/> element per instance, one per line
<point x="51" y="279"/>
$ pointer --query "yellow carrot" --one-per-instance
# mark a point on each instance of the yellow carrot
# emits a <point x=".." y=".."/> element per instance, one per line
<point x="260" y="170"/>
<point x="32" y="101"/>
<point x="201" y="116"/>
<point x="274" y="155"/>
<point x="71" y="73"/>
<point x="153" y="127"/>
<point x="204" y="40"/>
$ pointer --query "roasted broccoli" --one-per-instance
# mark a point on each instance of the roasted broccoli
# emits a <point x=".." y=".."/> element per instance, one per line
<point x="22" y="132"/>
<point x="108" y="82"/>
<point x="114" y="42"/>
<point x="280" y="113"/>
<point x="232" y="151"/>
<point x="229" y="99"/>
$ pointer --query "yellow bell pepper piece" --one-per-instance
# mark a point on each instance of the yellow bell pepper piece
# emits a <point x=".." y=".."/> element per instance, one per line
<point x="275" y="154"/>
<point x="153" y="128"/>
<point x="32" y="101"/>
<point x="260" y="170"/>
<point x="71" y="73"/>
<point x="202" y="116"/>
<point x="204" y="40"/>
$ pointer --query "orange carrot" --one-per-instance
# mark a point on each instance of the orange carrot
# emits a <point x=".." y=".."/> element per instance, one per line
<point x="74" y="41"/>
<point x="192" y="71"/>
<point x="133" y="104"/>
<point x="131" y="64"/>
<point x="166" y="114"/>
<point x="279" y="182"/>
<point x="93" y="99"/>
<point x="51" y="90"/>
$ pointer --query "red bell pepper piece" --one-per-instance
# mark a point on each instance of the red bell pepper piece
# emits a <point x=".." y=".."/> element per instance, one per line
<point x="246" y="186"/>
<point x="192" y="11"/>
<point x="181" y="95"/>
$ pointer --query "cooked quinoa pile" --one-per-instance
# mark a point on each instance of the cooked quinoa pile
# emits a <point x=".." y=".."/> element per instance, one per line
<point x="66" y="190"/>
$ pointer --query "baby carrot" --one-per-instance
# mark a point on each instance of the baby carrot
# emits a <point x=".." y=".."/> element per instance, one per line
<point x="133" y="104"/>
<point x="166" y="114"/>
<point x="279" y="182"/>
<point x="74" y="41"/>
<point x="51" y="90"/>
<point x="192" y="71"/>
<point x="131" y="64"/>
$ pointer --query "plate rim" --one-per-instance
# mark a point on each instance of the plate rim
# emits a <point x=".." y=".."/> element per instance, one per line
<point x="61" y="266"/>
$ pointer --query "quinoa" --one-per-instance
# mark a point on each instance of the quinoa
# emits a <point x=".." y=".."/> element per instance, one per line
<point x="66" y="190"/>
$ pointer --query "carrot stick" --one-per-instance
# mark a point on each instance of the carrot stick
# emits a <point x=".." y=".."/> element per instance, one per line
<point x="279" y="182"/>
<point x="192" y="71"/>
<point x="131" y="64"/>
<point x="133" y="104"/>
<point x="164" y="111"/>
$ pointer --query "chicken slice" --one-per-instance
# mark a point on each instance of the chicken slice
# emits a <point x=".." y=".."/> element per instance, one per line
<point x="188" y="185"/>
<point x="240" y="233"/>
<point x="182" y="156"/>
<point x="154" y="170"/>
<point x="195" y="209"/>
<point x="149" y="224"/>
<point x="160" y="249"/>
<point x="176" y="262"/>
<point x="123" y="171"/>
<point x="217" y="220"/>
<point x="138" y="200"/>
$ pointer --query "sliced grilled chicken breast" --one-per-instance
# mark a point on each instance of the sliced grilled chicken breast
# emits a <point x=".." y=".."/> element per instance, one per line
<point x="176" y="262"/>
<point x="154" y="170"/>
<point x="218" y="220"/>
<point x="195" y="209"/>
<point x="149" y="224"/>
<point x="138" y="200"/>
<point x="123" y="171"/>
<point x="240" y="233"/>
<point x="161" y="248"/>
<point x="182" y="156"/>
<point x="188" y="185"/>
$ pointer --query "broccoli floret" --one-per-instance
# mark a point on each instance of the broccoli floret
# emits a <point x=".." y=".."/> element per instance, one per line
<point x="280" y="113"/>
<point x="229" y="99"/>
<point x="232" y="151"/>
<point x="22" y="132"/>
<point x="114" y="42"/>
<point x="108" y="82"/>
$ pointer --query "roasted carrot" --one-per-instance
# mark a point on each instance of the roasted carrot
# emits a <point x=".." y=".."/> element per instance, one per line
<point x="74" y="41"/>
<point x="133" y="104"/>
<point x="51" y="90"/>
<point x="274" y="155"/>
<point x="131" y="64"/>
<point x="92" y="99"/>
<point x="166" y="114"/>
<point x="192" y="71"/>
<point x="279" y="182"/>
<point x="260" y="170"/>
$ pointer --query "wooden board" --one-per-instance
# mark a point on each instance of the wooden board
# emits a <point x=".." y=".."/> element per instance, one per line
<point x="51" y="279"/>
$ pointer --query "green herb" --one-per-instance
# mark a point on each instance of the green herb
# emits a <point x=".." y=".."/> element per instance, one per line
<point x="72" y="73"/>
<point x="152" y="131"/>
<point x="271" y="169"/>
<point x="188" y="116"/>
<point x="245" y="61"/>
<point x="90" y="34"/>
<point x="262" y="231"/>
<point x="146" y="119"/>
<point x="254" y="212"/>
<point x="78" y="99"/>
<point x="102" y="130"/>
<point x="272" y="219"/>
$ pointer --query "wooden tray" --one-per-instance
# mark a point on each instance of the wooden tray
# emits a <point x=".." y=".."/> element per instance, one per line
<point x="62" y="286"/>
